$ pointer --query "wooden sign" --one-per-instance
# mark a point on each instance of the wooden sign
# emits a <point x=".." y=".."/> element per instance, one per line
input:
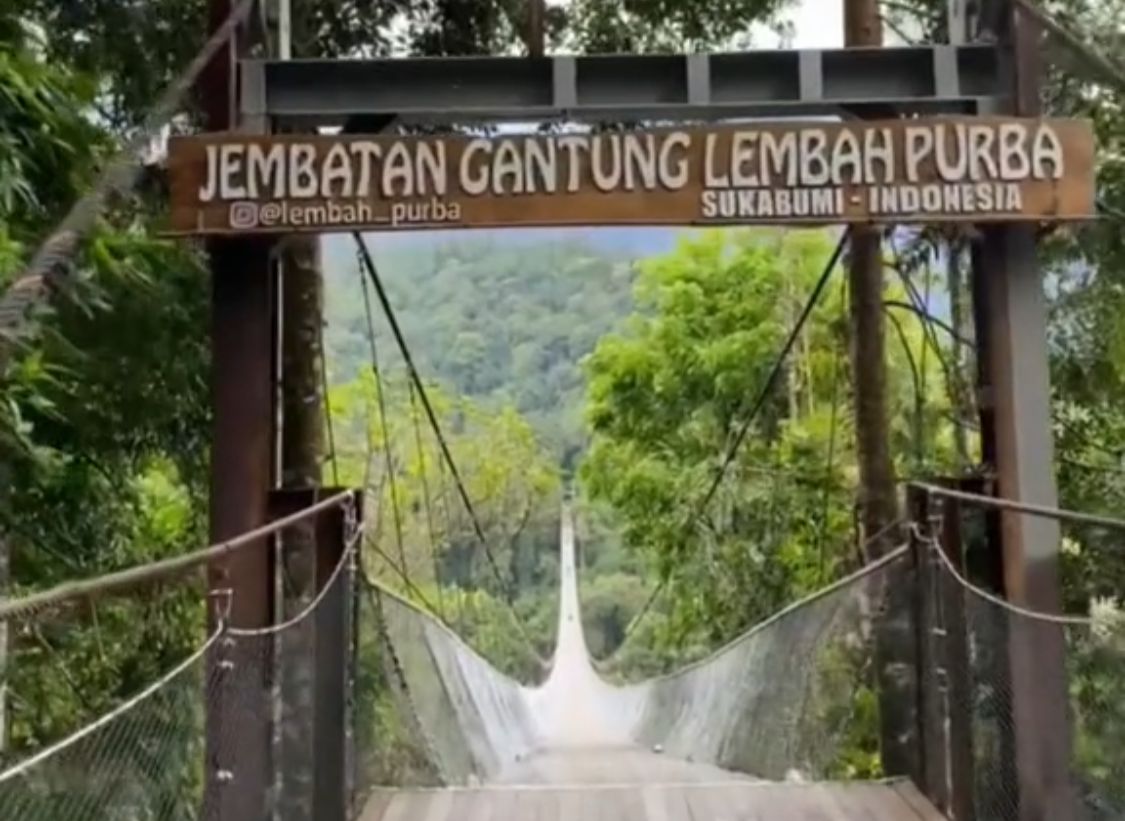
<point x="980" y="169"/>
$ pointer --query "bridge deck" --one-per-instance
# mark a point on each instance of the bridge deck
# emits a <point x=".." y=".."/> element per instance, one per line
<point x="732" y="800"/>
<point x="622" y="764"/>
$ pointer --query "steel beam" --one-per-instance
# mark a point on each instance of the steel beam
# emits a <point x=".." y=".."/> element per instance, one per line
<point x="1030" y="544"/>
<point x="328" y="645"/>
<point x="238" y="768"/>
<point x="1022" y="450"/>
<point x="239" y="721"/>
<point x="920" y="79"/>
<point x="332" y="697"/>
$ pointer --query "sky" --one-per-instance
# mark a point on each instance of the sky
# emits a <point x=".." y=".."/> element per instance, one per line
<point x="816" y="23"/>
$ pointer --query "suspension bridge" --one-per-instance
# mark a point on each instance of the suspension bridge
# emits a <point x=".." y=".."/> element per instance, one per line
<point x="274" y="718"/>
<point x="750" y="732"/>
<point x="574" y="744"/>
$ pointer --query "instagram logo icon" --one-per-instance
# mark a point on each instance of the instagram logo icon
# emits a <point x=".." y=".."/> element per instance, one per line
<point x="243" y="215"/>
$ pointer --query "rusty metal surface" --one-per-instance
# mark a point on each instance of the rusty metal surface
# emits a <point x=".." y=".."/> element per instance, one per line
<point x="1022" y="447"/>
<point x="1025" y="472"/>
<point x="955" y="661"/>
<point x="332" y="623"/>
<point x="242" y="459"/>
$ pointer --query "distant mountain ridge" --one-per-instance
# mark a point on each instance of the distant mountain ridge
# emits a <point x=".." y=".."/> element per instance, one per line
<point x="501" y="316"/>
<point x="625" y="243"/>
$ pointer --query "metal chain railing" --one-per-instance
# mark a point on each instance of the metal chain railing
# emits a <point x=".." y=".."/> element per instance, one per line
<point x="149" y="753"/>
<point x="1011" y="687"/>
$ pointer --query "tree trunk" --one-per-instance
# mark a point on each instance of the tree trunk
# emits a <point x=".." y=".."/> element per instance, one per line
<point x="894" y="650"/>
<point x="302" y="448"/>
<point x="962" y="408"/>
<point x="536" y="30"/>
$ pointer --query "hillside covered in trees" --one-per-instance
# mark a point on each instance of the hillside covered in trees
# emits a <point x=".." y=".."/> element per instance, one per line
<point x="503" y="317"/>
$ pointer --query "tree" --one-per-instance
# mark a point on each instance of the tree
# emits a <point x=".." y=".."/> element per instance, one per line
<point x="646" y="26"/>
<point x="424" y="542"/>
<point x="499" y="322"/>
<point x="100" y="441"/>
<point x="665" y="397"/>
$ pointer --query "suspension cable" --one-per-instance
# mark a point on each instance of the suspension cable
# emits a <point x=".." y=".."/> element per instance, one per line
<point x="404" y="574"/>
<point x="863" y="570"/>
<point x="830" y="460"/>
<point x="31" y="288"/>
<point x="774" y="374"/>
<point x="507" y="593"/>
<point x="401" y="567"/>
<point x="916" y="381"/>
<point x="933" y="320"/>
<point x="920" y="309"/>
<point x="388" y="310"/>
<point x="326" y="406"/>
<point x="165" y="568"/>
<point x="382" y="410"/>
<point x="946" y="564"/>
<point x="443" y="493"/>
<point x="756" y="408"/>
<point x="426" y="496"/>
<point x="1011" y="505"/>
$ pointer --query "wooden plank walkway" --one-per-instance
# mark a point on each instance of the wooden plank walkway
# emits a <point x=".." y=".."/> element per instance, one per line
<point x="699" y="801"/>
<point x="624" y="764"/>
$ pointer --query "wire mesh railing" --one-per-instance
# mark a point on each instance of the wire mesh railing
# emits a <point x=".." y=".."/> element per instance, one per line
<point x="797" y="697"/>
<point x="126" y="708"/>
<point x="793" y="698"/>
<point x="1091" y="723"/>
<point x="429" y="709"/>
<point x="1027" y="711"/>
<point x="142" y="760"/>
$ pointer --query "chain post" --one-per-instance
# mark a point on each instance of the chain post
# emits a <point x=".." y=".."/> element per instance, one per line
<point x="955" y="659"/>
<point x="931" y="748"/>
<point x="334" y="531"/>
<point x="220" y="769"/>
<point x="353" y="531"/>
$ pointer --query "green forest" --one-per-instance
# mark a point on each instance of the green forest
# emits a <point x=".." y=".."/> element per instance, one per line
<point x="601" y="371"/>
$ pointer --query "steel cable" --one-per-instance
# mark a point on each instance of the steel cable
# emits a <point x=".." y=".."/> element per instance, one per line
<point x="755" y="408"/>
<point x="507" y="594"/>
<point x="163" y="569"/>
